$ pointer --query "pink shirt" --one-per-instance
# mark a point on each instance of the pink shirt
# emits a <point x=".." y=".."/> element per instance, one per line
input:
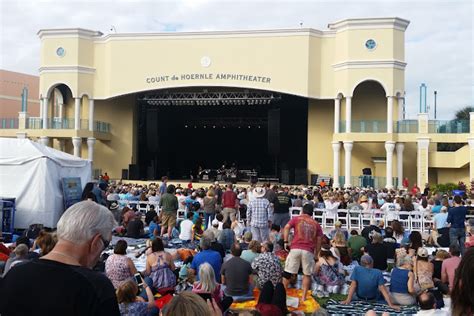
<point x="449" y="267"/>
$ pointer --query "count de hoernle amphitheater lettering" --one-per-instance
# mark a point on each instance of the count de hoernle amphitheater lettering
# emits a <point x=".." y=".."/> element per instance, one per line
<point x="208" y="76"/>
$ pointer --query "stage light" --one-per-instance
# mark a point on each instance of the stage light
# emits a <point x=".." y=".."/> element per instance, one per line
<point x="214" y="126"/>
<point x="249" y="126"/>
<point x="185" y="126"/>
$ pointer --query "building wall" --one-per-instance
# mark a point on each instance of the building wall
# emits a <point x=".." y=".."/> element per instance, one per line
<point x="11" y="87"/>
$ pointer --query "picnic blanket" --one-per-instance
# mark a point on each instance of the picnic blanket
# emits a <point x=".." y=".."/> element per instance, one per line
<point x="309" y="306"/>
<point x="361" y="307"/>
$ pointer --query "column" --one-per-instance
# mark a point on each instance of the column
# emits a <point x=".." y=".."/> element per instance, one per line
<point x="337" y="114"/>
<point x="336" y="147"/>
<point x="45" y="113"/>
<point x="62" y="144"/>
<point x="41" y="108"/>
<point x="389" y="114"/>
<point x="44" y="140"/>
<point x="90" y="148"/>
<point x="423" y="143"/>
<point x="347" y="163"/>
<point x="348" y="114"/>
<point x="61" y="111"/>
<point x="400" y="147"/>
<point x="91" y="115"/>
<point x="400" y="108"/>
<point x="470" y="141"/>
<point x="22" y="120"/>
<point x="21" y="135"/>
<point x="77" y="114"/>
<point x="76" y="143"/>
<point x="389" y="147"/>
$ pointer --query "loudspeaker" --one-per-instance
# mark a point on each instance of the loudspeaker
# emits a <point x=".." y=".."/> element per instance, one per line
<point x="314" y="179"/>
<point x="152" y="130"/>
<point x="367" y="172"/>
<point x="274" y="131"/>
<point x="301" y="176"/>
<point x="125" y="174"/>
<point x="133" y="172"/>
<point x="285" y="176"/>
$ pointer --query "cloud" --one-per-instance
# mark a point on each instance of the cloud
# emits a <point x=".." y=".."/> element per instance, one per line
<point x="439" y="39"/>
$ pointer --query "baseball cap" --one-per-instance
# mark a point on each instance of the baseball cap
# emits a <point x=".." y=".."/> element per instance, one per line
<point x="422" y="252"/>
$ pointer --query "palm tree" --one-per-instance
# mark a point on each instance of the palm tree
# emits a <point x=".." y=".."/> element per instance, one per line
<point x="460" y="115"/>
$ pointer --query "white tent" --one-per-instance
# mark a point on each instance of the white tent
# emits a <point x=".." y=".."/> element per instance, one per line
<point x="32" y="173"/>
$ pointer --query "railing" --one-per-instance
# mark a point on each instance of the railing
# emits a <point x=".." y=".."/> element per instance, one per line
<point x="448" y="127"/>
<point x="368" y="181"/>
<point x="406" y="126"/>
<point x="369" y="126"/>
<point x="8" y="123"/>
<point x="101" y="127"/>
<point x="65" y="123"/>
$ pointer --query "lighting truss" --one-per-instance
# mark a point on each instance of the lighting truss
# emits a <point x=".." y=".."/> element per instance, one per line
<point x="206" y="98"/>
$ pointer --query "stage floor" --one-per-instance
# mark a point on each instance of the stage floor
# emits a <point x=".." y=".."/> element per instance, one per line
<point x="184" y="184"/>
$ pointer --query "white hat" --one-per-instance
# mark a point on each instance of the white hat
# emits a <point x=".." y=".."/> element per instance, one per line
<point x="215" y="222"/>
<point x="259" y="192"/>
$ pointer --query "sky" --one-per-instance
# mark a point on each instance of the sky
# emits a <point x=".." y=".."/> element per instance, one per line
<point x="439" y="40"/>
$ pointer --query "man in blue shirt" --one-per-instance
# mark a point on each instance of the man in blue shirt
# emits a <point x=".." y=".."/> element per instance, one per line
<point x="367" y="283"/>
<point x="207" y="255"/>
<point x="457" y="218"/>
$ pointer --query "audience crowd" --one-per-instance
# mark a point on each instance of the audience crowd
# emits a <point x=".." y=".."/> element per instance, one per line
<point x="209" y="247"/>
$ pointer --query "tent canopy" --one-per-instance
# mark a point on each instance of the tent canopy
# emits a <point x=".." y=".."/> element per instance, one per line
<point x="32" y="173"/>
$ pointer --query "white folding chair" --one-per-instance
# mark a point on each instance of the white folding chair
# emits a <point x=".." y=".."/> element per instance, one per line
<point x="318" y="215"/>
<point x="180" y="214"/>
<point x="365" y="218"/>
<point x="355" y="220"/>
<point x="416" y="221"/>
<point x="329" y="218"/>
<point x="143" y="206"/>
<point x="404" y="219"/>
<point x="295" y="211"/>
<point x="343" y="217"/>
<point x="427" y="224"/>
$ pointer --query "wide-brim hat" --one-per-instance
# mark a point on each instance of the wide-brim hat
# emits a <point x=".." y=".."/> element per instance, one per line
<point x="113" y="206"/>
<point x="259" y="192"/>
<point x="363" y="198"/>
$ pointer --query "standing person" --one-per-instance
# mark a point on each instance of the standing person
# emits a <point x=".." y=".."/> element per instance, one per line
<point x="230" y="203"/>
<point x="259" y="215"/>
<point x="169" y="206"/>
<point x="462" y="298"/>
<point x="65" y="274"/>
<point x="304" y="247"/>
<point x="163" y="185"/>
<point x="210" y="204"/>
<point x="457" y="217"/>
<point x="281" y="212"/>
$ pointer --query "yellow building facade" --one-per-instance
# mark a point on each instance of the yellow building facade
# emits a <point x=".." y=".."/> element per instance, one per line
<point x="350" y="76"/>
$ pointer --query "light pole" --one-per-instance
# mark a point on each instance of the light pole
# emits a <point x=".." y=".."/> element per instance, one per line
<point x="435" y="95"/>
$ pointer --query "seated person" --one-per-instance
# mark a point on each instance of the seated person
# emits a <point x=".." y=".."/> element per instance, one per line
<point x="159" y="268"/>
<point x="427" y="304"/>
<point x="267" y="266"/>
<point x="247" y="238"/>
<point x="338" y="228"/>
<point x="118" y="267"/>
<point x="236" y="276"/>
<point x="150" y="215"/>
<point x="135" y="228"/>
<point x="197" y="230"/>
<point x="132" y="305"/>
<point x="402" y="288"/>
<point x="21" y="256"/>
<point x="328" y="273"/>
<point x="154" y="228"/>
<point x="378" y="251"/>
<point x="227" y="237"/>
<point x="207" y="285"/>
<point x="367" y="283"/>
<point x="252" y="252"/>
<point x="272" y="300"/>
<point x="207" y="254"/>
<point x="390" y="244"/>
<point x="356" y="243"/>
<point x="186" y="228"/>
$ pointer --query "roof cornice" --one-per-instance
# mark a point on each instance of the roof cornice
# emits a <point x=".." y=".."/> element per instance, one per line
<point x="369" y="23"/>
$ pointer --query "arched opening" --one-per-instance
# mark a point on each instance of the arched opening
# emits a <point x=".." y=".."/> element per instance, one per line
<point x="369" y="107"/>
<point x="60" y="106"/>
<point x="182" y="131"/>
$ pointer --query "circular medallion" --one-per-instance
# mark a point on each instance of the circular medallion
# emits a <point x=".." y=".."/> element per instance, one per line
<point x="60" y="52"/>
<point x="205" y="61"/>
<point x="370" y="44"/>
